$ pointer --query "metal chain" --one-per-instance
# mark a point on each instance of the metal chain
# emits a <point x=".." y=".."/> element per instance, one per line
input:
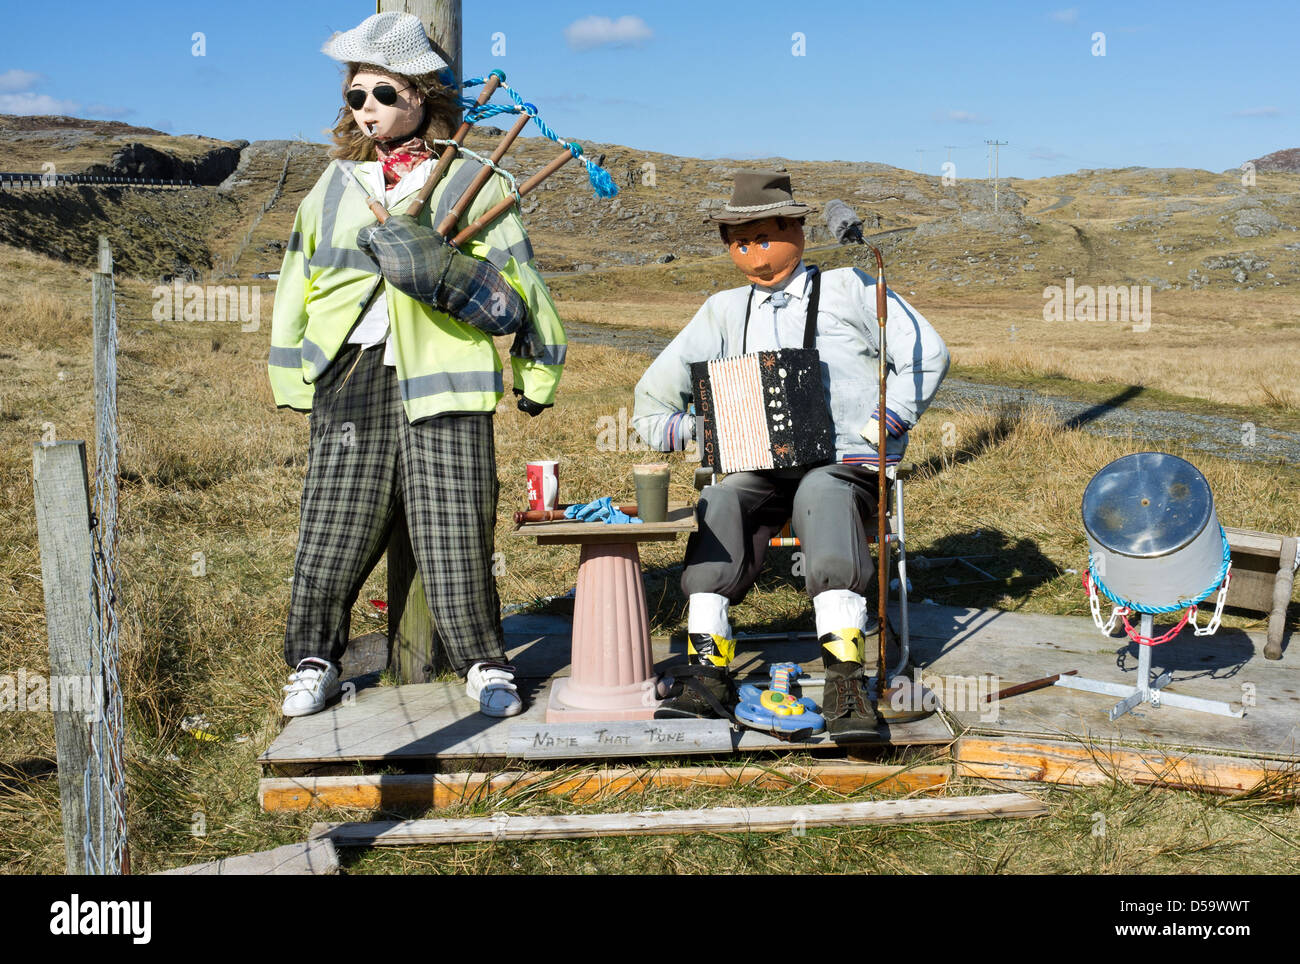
<point x="1094" y="604"/>
<point x="1213" y="626"/>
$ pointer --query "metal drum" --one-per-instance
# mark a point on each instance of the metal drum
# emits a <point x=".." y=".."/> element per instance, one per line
<point x="1152" y="530"/>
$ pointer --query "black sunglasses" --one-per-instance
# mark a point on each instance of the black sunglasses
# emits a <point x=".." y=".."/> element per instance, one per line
<point x="386" y="94"/>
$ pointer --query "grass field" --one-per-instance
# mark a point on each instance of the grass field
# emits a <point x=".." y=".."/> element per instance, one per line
<point x="209" y="466"/>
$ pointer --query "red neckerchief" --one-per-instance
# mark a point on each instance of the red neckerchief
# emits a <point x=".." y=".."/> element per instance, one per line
<point x="401" y="159"/>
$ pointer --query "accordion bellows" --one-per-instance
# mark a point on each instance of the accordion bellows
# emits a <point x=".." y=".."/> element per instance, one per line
<point x="764" y="410"/>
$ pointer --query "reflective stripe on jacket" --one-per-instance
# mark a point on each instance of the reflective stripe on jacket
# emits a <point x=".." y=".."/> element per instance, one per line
<point x="443" y="365"/>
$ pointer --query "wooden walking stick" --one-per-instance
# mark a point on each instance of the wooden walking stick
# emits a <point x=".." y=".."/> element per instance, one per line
<point x="883" y="574"/>
<point x="494" y="80"/>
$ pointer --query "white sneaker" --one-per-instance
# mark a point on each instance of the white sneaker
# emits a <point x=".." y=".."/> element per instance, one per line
<point x="313" y="684"/>
<point x="493" y="685"/>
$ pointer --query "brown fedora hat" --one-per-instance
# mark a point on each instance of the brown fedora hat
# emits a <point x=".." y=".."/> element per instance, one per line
<point x="761" y="194"/>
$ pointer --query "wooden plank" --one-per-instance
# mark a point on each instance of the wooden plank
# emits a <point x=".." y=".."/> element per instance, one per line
<point x="1253" y="541"/>
<point x="314" y="857"/>
<point x="681" y="518"/>
<point x="613" y="536"/>
<point x="1228" y="666"/>
<point x="436" y="721"/>
<point x="1091" y="764"/>
<point x="561" y="741"/>
<point x="61" y="493"/>
<point x="377" y="791"/>
<point x="503" y="827"/>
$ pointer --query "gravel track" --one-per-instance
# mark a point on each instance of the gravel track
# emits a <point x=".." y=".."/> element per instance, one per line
<point x="1224" y="437"/>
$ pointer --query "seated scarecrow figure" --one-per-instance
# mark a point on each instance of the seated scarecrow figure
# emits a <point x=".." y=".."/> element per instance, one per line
<point x="384" y="333"/>
<point x="788" y="304"/>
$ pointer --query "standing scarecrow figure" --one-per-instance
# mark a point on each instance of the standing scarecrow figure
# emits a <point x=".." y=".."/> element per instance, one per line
<point x="831" y="505"/>
<point x="401" y="391"/>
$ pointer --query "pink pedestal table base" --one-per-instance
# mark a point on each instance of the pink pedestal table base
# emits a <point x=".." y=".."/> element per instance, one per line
<point x="613" y="668"/>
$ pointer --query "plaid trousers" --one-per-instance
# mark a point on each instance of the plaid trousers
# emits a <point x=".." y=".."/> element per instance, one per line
<point x="366" y="456"/>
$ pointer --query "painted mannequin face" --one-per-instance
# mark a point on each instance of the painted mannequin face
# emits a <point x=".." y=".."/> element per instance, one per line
<point x="385" y="123"/>
<point x="766" y="253"/>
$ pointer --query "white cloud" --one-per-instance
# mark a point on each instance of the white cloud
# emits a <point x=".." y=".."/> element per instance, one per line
<point x="29" y="103"/>
<point x="16" y="79"/>
<point x="960" y="117"/>
<point x="602" y="31"/>
<point x="1257" y="112"/>
<point x="1068" y="15"/>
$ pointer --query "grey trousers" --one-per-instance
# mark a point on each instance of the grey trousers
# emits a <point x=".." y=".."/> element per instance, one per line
<point x="367" y="459"/>
<point x="831" y="507"/>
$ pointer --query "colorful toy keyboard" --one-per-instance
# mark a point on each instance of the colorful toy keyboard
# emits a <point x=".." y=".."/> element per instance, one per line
<point x="774" y="708"/>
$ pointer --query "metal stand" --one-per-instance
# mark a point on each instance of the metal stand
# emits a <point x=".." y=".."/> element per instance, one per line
<point x="1147" y="690"/>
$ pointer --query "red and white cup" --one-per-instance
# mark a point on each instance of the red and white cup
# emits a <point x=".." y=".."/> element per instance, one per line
<point x="543" y="484"/>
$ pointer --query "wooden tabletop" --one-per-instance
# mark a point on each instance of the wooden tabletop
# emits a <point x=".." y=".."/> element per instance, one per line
<point x="681" y="518"/>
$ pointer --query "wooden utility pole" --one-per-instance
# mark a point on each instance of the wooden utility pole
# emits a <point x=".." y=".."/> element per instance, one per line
<point x="415" y="655"/>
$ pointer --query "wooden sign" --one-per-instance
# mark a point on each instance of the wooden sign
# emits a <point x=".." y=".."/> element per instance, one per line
<point x="625" y="738"/>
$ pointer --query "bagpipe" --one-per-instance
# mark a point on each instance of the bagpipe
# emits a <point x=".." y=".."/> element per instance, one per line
<point x="426" y="262"/>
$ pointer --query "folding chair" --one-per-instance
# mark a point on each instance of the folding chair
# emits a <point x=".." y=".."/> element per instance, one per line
<point x="894" y="537"/>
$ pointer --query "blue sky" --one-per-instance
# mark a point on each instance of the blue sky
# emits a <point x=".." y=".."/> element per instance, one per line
<point x="1189" y="84"/>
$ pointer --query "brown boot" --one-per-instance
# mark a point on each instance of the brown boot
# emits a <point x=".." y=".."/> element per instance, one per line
<point x="704" y="688"/>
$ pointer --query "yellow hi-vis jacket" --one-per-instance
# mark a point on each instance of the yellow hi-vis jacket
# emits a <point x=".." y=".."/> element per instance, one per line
<point x="443" y="365"/>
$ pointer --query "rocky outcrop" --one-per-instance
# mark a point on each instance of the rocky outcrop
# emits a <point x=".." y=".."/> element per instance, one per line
<point x="141" y="160"/>
<point x="1285" y="161"/>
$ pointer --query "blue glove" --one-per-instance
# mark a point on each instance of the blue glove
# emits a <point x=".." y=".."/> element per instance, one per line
<point x="601" y="510"/>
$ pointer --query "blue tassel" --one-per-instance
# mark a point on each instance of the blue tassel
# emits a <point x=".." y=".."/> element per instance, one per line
<point x="601" y="182"/>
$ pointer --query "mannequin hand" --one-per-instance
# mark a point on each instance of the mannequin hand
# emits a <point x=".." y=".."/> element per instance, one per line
<point x="871" y="431"/>
<point x="894" y="426"/>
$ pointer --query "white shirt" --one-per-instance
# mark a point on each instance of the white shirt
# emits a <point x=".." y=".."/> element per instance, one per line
<point x="847" y="340"/>
<point x="373" y="327"/>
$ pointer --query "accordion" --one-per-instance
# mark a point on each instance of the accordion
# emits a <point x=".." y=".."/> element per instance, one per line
<point x="763" y="410"/>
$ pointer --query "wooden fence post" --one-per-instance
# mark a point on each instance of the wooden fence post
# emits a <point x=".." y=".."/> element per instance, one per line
<point x="62" y="497"/>
<point x="414" y="652"/>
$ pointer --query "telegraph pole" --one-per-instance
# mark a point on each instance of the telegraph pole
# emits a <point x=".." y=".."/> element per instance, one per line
<point x="921" y="163"/>
<point x="414" y="652"/>
<point x="993" y="159"/>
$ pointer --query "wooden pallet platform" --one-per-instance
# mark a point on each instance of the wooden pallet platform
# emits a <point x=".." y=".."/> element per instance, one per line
<point x="956" y="646"/>
<point x="960" y="651"/>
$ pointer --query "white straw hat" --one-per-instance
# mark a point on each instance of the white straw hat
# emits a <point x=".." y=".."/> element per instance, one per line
<point x="393" y="40"/>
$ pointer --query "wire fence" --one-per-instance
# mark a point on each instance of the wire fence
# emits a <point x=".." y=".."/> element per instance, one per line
<point x="227" y="269"/>
<point x="105" y="774"/>
<point x="20" y="180"/>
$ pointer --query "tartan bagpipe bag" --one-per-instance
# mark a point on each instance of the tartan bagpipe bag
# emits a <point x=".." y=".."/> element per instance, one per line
<point x="418" y="261"/>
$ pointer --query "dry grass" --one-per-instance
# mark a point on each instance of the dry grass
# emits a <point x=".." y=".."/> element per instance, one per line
<point x="211" y="467"/>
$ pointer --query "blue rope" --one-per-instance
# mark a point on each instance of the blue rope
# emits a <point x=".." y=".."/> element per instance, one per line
<point x="1163" y="610"/>
<point x="597" y="176"/>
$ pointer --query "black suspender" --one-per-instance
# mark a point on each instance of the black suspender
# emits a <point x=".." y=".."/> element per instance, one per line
<point x="810" y="323"/>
